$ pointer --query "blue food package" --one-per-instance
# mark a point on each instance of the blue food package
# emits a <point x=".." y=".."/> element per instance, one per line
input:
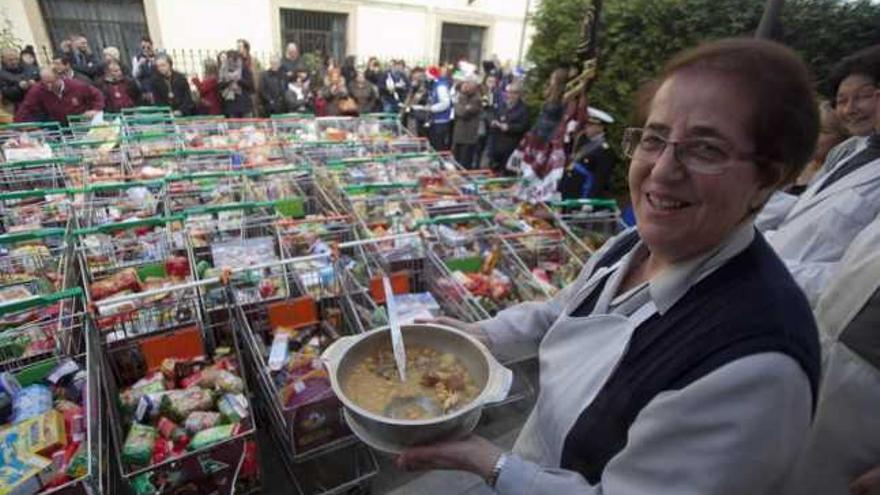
<point x="30" y="402"/>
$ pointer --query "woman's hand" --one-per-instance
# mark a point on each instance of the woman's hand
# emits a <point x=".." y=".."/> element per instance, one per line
<point x="866" y="484"/>
<point x="473" y="454"/>
<point x="472" y="329"/>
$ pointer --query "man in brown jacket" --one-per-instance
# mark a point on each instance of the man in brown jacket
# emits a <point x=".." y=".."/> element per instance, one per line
<point x="468" y="108"/>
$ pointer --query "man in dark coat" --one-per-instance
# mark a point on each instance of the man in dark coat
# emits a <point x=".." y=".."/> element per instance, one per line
<point x="592" y="164"/>
<point x="54" y="98"/>
<point x="63" y="66"/>
<point x="170" y="88"/>
<point x="273" y="84"/>
<point x="143" y="68"/>
<point x="508" y="127"/>
<point x="291" y="63"/>
<point x="394" y="88"/>
<point x="84" y="61"/>
<point x="468" y="107"/>
<point x="15" y="80"/>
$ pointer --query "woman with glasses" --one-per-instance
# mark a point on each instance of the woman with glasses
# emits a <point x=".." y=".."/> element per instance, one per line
<point x="811" y="232"/>
<point x="684" y="358"/>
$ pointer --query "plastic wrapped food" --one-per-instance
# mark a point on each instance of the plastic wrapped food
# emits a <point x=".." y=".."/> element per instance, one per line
<point x="148" y="385"/>
<point x="118" y="282"/>
<point x="31" y="402"/>
<point x="213" y="435"/>
<point x="233" y="407"/>
<point x="178" y="404"/>
<point x="200" y="420"/>
<point x="139" y="444"/>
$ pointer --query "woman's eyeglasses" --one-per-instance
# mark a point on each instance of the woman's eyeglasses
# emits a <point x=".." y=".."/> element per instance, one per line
<point x="704" y="155"/>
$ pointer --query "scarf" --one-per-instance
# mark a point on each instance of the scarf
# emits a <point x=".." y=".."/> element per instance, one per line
<point x="231" y="72"/>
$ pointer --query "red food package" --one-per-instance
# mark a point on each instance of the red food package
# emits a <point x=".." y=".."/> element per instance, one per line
<point x="161" y="450"/>
<point x="177" y="266"/>
<point x="74" y="420"/>
<point x="118" y="282"/>
<point x="250" y="468"/>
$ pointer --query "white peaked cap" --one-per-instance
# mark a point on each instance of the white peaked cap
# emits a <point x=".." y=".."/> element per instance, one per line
<point x="600" y="115"/>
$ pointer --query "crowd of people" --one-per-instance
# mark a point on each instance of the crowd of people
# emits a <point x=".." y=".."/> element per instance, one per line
<point x="727" y="344"/>
<point x="476" y="112"/>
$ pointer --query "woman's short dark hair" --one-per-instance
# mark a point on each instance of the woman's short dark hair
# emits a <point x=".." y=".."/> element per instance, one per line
<point x="166" y="57"/>
<point x="785" y="117"/>
<point x="865" y="62"/>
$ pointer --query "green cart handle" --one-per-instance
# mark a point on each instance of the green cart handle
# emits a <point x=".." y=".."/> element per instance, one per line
<point x="31" y="125"/>
<point x="40" y="161"/>
<point x="378" y="186"/>
<point x="37" y="301"/>
<point x="279" y="116"/>
<point x="447" y="219"/>
<point x="111" y="186"/>
<point x="202" y="175"/>
<point x="381" y="159"/>
<point x="595" y="203"/>
<point x="150" y="136"/>
<point x="246" y="205"/>
<point x="111" y="227"/>
<point x="29" y="235"/>
<point x="34" y="193"/>
<point x="145" y="109"/>
<point x="198" y="118"/>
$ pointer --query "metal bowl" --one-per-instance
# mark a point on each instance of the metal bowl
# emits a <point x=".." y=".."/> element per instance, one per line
<point x="395" y="435"/>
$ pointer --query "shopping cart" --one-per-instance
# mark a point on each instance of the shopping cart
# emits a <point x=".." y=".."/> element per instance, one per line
<point x="100" y="156"/>
<point x="589" y="222"/>
<point x="117" y="202"/>
<point x="134" y="256"/>
<point x="48" y="347"/>
<point x="201" y="131"/>
<point x="162" y="339"/>
<point x="548" y="257"/>
<point x="150" y="154"/>
<point x="39" y="173"/>
<point x="26" y="141"/>
<point x="303" y="415"/>
<point x="192" y="190"/>
<point x="30" y="209"/>
<point x="35" y="263"/>
<point x="294" y="128"/>
<point x="236" y="235"/>
<point x="254" y="143"/>
<point x="139" y="120"/>
<point x="415" y="280"/>
<point x="319" y="153"/>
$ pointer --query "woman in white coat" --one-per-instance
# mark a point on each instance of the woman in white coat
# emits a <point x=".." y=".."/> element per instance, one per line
<point x="842" y="454"/>
<point x="811" y="232"/>
<point x="684" y="359"/>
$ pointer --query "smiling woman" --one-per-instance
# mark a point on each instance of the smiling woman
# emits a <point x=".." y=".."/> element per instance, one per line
<point x="684" y="347"/>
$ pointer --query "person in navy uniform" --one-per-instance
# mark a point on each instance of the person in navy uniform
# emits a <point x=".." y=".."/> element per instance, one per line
<point x="588" y="174"/>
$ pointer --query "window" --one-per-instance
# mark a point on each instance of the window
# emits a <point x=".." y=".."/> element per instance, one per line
<point x="119" y="23"/>
<point x="321" y="32"/>
<point x="461" y="42"/>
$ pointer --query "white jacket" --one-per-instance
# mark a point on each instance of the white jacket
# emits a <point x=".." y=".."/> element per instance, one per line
<point x="844" y="442"/>
<point x="817" y="229"/>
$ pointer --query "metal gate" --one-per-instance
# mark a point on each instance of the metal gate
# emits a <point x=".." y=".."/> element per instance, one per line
<point x="461" y="42"/>
<point x="119" y="23"/>
<point x="312" y="31"/>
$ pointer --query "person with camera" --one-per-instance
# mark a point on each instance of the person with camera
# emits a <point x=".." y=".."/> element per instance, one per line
<point x="439" y="108"/>
<point x="415" y="117"/>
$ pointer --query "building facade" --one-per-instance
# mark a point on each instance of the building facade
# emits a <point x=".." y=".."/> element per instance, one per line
<point x="418" y="31"/>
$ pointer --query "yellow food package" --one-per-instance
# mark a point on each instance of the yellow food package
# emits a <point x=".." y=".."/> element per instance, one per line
<point x="43" y="434"/>
<point x="23" y="473"/>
